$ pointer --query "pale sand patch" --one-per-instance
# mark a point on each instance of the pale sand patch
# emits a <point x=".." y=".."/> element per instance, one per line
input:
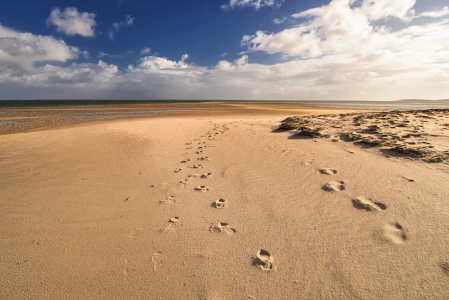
<point x="67" y="233"/>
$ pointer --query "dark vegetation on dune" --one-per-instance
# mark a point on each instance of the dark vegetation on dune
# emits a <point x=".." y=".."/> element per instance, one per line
<point x="404" y="132"/>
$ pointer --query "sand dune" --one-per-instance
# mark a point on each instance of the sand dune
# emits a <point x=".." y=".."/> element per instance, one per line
<point x="217" y="208"/>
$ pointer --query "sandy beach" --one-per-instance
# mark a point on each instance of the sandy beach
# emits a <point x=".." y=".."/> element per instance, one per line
<point x="224" y="205"/>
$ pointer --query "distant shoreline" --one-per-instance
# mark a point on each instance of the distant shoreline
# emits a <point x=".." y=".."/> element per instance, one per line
<point x="71" y="102"/>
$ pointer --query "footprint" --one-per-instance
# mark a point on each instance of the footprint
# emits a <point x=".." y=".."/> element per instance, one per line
<point x="178" y="171"/>
<point x="199" y="152"/>
<point x="222" y="227"/>
<point x="169" y="200"/>
<point x="264" y="260"/>
<point x="220" y="203"/>
<point x="201" y="188"/>
<point x="206" y="175"/>
<point x="363" y="203"/>
<point x="328" y="171"/>
<point x="408" y="179"/>
<point x="130" y="265"/>
<point x="193" y="176"/>
<point x="203" y="158"/>
<point x="185" y="161"/>
<point x="395" y="233"/>
<point x="174" y="220"/>
<point x="188" y="144"/>
<point x="157" y="261"/>
<point x="334" y="186"/>
<point x="445" y="267"/>
<point x="197" y="166"/>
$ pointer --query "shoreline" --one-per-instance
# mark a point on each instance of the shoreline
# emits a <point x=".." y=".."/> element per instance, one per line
<point x="30" y="118"/>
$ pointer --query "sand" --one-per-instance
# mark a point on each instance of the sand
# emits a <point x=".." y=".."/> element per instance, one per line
<point x="218" y="207"/>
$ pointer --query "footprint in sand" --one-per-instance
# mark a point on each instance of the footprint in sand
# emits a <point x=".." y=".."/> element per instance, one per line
<point x="188" y="148"/>
<point x="157" y="261"/>
<point x="445" y="267"/>
<point x="328" y="171"/>
<point x="368" y="204"/>
<point x="220" y="203"/>
<point x="395" y="233"/>
<point x="199" y="152"/>
<point x="222" y="227"/>
<point x="174" y="220"/>
<point x="183" y="183"/>
<point x="185" y="161"/>
<point x="169" y="200"/>
<point x="197" y="166"/>
<point x="206" y="175"/>
<point x="178" y="171"/>
<point x="203" y="158"/>
<point x="334" y="186"/>
<point x="188" y="144"/>
<point x="263" y="260"/>
<point x="130" y="265"/>
<point x="201" y="188"/>
<point x="171" y="222"/>
<point x="193" y="176"/>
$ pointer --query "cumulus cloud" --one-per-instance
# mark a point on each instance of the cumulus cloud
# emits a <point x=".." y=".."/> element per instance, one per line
<point x="255" y="3"/>
<point x="21" y="50"/>
<point x="331" y="27"/>
<point x="116" y="26"/>
<point x="224" y="65"/>
<point x="155" y="64"/>
<point x="72" y="22"/>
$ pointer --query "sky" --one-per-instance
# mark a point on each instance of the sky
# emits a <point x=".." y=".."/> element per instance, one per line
<point x="224" y="49"/>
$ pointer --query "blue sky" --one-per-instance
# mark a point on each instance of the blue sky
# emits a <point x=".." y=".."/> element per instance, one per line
<point x="224" y="49"/>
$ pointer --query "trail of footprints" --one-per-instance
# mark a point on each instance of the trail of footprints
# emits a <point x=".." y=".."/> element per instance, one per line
<point x="393" y="232"/>
<point x="262" y="259"/>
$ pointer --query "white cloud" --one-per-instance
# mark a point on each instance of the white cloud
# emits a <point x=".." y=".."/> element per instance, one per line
<point x="21" y="50"/>
<point x="101" y="54"/>
<point x="436" y="14"/>
<point x="331" y="28"/>
<point x="224" y="65"/>
<point x="381" y="9"/>
<point x="155" y="64"/>
<point x="255" y="3"/>
<point x="145" y="50"/>
<point x="72" y="22"/>
<point x="118" y="25"/>
<point x="279" y="20"/>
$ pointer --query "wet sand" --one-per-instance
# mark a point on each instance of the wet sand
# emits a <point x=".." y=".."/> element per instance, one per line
<point x="224" y="206"/>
